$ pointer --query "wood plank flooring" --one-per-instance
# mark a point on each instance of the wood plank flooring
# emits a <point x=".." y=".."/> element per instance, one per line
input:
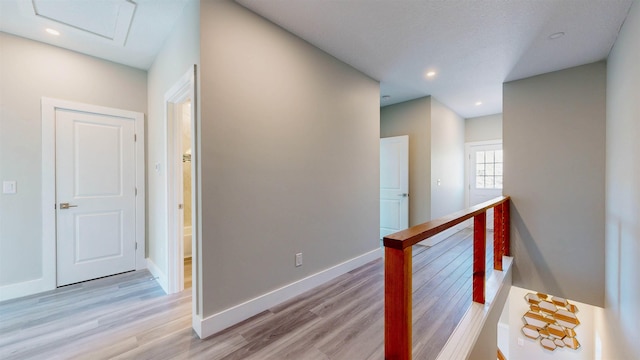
<point x="128" y="316"/>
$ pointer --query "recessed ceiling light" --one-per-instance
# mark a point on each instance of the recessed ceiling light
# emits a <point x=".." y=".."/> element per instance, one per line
<point x="478" y="103"/>
<point x="430" y="74"/>
<point x="556" y="35"/>
<point x="386" y="97"/>
<point x="52" y="32"/>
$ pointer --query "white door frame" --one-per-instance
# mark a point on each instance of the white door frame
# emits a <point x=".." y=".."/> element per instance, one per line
<point x="183" y="89"/>
<point x="467" y="165"/>
<point x="49" y="107"/>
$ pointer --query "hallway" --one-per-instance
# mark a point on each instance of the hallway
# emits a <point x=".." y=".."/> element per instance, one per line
<point x="128" y="316"/>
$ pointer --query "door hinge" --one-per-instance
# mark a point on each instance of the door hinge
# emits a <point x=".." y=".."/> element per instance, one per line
<point x="136" y="248"/>
<point x="135" y="137"/>
<point x="136" y="191"/>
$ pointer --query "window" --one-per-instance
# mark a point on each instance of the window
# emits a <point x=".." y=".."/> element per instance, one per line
<point x="489" y="169"/>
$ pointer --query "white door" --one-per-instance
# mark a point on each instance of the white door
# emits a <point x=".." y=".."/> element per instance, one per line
<point x="95" y="195"/>
<point x="394" y="184"/>
<point x="485" y="174"/>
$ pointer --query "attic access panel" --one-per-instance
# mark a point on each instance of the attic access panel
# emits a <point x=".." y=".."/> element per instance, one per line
<point x="108" y="19"/>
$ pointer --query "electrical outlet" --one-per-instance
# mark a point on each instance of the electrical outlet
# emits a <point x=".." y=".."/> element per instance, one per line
<point x="298" y="259"/>
<point x="520" y="341"/>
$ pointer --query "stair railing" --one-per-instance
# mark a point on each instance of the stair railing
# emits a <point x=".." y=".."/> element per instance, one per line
<point x="398" y="267"/>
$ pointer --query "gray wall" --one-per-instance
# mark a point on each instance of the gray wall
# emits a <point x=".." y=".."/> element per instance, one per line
<point x="447" y="160"/>
<point x="554" y="145"/>
<point x="483" y="128"/>
<point x="290" y="157"/>
<point x="29" y="71"/>
<point x="179" y="53"/>
<point x="622" y="298"/>
<point x="413" y="118"/>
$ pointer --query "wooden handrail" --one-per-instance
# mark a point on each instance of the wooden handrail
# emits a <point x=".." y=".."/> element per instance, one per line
<point x="398" y="267"/>
<point x="413" y="235"/>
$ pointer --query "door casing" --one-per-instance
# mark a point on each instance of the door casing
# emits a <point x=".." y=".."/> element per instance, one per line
<point x="183" y="90"/>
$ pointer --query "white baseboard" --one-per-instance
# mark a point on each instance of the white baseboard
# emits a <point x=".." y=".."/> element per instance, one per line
<point x="435" y="239"/>
<point x="160" y="276"/>
<point x="224" y="319"/>
<point x="25" y="288"/>
<point x="196" y="324"/>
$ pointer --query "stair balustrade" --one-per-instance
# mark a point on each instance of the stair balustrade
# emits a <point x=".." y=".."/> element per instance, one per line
<point x="398" y="267"/>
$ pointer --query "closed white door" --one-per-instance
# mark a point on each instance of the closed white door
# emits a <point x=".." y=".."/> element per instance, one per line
<point x="485" y="175"/>
<point x="394" y="184"/>
<point x="95" y="195"/>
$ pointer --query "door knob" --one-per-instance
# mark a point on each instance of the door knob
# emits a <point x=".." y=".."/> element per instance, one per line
<point x="66" y="206"/>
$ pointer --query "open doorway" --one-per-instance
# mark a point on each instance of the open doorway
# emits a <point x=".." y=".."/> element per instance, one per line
<point x="187" y="219"/>
<point x="182" y="221"/>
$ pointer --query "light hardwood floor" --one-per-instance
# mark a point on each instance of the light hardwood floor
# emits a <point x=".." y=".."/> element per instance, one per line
<point x="128" y="316"/>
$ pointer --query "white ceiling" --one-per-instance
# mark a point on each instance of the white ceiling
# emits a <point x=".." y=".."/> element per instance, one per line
<point x="474" y="46"/>
<point x="123" y="31"/>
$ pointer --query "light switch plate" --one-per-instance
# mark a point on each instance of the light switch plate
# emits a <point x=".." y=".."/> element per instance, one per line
<point x="298" y="259"/>
<point x="9" y="187"/>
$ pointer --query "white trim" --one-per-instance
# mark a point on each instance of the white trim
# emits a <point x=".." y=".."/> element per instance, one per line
<point x="48" y="194"/>
<point x="196" y="324"/>
<point x="196" y="215"/>
<point x="182" y="90"/>
<point x="441" y="236"/>
<point x="464" y="337"/>
<point x="49" y="106"/>
<point x="29" y="287"/>
<point x="141" y="196"/>
<point x="224" y="319"/>
<point x="160" y="276"/>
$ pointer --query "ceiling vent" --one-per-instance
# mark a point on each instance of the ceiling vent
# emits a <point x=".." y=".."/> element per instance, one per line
<point x="108" y="19"/>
